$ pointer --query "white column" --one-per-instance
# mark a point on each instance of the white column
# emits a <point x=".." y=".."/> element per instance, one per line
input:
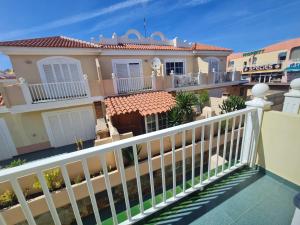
<point x="233" y="74"/>
<point x="254" y="121"/>
<point x="25" y="90"/>
<point x="172" y="78"/>
<point x="113" y="76"/>
<point x="292" y="98"/>
<point x="87" y="86"/>
<point x="199" y="77"/>
<point x="214" y="75"/>
<point x="153" y="80"/>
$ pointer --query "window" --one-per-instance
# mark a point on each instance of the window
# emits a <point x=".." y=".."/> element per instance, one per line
<point x="245" y="63"/>
<point x="162" y="120"/>
<point x="282" y="56"/>
<point x="254" y="60"/>
<point x="150" y="123"/>
<point x="176" y="66"/>
<point x="231" y="63"/>
<point x="124" y="68"/>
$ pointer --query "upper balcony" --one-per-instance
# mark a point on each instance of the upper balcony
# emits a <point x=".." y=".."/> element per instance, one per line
<point x="203" y="170"/>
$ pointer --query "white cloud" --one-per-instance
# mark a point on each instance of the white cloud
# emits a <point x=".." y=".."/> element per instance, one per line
<point x="197" y="2"/>
<point x="73" y="19"/>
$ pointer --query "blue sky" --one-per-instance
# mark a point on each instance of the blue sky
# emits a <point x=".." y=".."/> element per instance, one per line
<point x="242" y="25"/>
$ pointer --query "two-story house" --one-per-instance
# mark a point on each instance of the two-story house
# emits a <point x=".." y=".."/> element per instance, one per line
<point x="63" y="83"/>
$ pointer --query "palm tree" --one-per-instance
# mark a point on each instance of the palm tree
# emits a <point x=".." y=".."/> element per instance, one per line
<point x="183" y="112"/>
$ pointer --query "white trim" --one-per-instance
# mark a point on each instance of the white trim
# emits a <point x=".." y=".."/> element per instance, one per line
<point x="54" y="105"/>
<point x="49" y="51"/>
<point x="212" y="53"/>
<point x="4" y="129"/>
<point x="4" y="109"/>
<point x="45" y="116"/>
<point x="127" y="61"/>
<point x="124" y="52"/>
<point x="170" y="60"/>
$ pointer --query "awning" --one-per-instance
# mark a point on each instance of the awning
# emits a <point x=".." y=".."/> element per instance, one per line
<point x="144" y="103"/>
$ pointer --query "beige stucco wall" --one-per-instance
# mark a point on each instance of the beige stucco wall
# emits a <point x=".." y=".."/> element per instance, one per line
<point x="279" y="146"/>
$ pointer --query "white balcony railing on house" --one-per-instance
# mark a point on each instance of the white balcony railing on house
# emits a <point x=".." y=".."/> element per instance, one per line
<point x="239" y="127"/>
<point x="57" y="91"/>
<point x="47" y="92"/>
<point x="133" y="84"/>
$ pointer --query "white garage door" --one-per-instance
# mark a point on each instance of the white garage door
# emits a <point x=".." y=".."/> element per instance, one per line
<point x="7" y="147"/>
<point x="66" y="126"/>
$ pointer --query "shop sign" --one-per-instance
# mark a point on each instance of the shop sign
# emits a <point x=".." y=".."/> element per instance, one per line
<point x="294" y="67"/>
<point x="276" y="66"/>
<point x="254" y="52"/>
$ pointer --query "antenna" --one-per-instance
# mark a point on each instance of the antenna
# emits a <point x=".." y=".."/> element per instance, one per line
<point x="145" y="29"/>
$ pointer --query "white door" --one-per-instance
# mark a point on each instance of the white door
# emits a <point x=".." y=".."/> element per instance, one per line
<point x="7" y="147"/>
<point x="64" y="127"/>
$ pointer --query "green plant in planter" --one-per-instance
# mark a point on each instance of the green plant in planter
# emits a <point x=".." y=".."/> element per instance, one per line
<point x="202" y="99"/>
<point x="16" y="162"/>
<point x="232" y="103"/>
<point x="7" y="199"/>
<point x="53" y="179"/>
<point x="128" y="157"/>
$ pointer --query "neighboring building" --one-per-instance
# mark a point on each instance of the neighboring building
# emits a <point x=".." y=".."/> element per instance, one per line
<point x="62" y="83"/>
<point x="275" y="64"/>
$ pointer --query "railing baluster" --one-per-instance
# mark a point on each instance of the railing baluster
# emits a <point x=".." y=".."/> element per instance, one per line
<point x="210" y="149"/>
<point x="108" y="188"/>
<point x="21" y="198"/>
<point x="151" y="173"/>
<point x="162" y="165"/>
<point x="120" y="165"/>
<point x="48" y="198"/>
<point x="202" y="154"/>
<point x="231" y="142"/>
<point x="225" y="145"/>
<point x="173" y="165"/>
<point x="2" y="220"/>
<point x="238" y="140"/>
<point x="218" y="148"/>
<point x="71" y="194"/>
<point x="138" y="178"/>
<point x="91" y="191"/>
<point x="183" y="161"/>
<point x="193" y="157"/>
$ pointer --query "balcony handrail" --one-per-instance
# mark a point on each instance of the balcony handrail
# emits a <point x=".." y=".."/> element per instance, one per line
<point x="92" y="151"/>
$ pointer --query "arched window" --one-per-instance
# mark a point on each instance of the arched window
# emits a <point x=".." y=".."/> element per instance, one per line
<point x="60" y="69"/>
<point x="213" y="64"/>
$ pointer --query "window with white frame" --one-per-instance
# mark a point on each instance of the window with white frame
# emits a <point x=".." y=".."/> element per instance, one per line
<point x="150" y="123"/>
<point x="125" y="68"/>
<point x="162" y="120"/>
<point x="176" y="65"/>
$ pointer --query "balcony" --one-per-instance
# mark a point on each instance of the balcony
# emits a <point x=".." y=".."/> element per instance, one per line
<point x="186" y="167"/>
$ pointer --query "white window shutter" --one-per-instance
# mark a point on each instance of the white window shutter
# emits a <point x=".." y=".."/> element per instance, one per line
<point x="121" y="70"/>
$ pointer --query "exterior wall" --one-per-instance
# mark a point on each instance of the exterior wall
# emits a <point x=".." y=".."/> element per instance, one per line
<point x="26" y="66"/>
<point x="278" y="149"/>
<point x="28" y="130"/>
<point x="106" y="63"/>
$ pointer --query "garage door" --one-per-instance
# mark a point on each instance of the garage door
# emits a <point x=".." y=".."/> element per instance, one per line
<point x="67" y="126"/>
<point x="7" y="147"/>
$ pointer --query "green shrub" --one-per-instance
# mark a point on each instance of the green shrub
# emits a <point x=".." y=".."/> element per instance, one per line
<point x="7" y="199"/>
<point x="16" y="162"/>
<point x="202" y="99"/>
<point x="53" y="179"/>
<point x="232" y="103"/>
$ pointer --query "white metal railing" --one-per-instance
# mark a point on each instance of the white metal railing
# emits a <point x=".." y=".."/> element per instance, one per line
<point x="185" y="80"/>
<point x="56" y="91"/>
<point x="223" y="77"/>
<point x="239" y="126"/>
<point x="133" y="84"/>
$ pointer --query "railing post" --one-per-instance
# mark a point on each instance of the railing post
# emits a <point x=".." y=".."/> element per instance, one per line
<point x="173" y="78"/>
<point x="199" y="77"/>
<point x="115" y="83"/>
<point x="233" y="75"/>
<point x="153" y="79"/>
<point x="214" y="75"/>
<point x="25" y="90"/>
<point x="253" y="122"/>
<point x="292" y="98"/>
<point x="87" y="86"/>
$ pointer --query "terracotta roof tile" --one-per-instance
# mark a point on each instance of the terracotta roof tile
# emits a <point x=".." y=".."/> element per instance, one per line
<point x="50" y="42"/>
<point x="144" y="47"/>
<point x="145" y="103"/>
<point x="283" y="45"/>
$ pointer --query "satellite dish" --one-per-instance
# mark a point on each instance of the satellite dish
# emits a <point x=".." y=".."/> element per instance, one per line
<point x="156" y="63"/>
